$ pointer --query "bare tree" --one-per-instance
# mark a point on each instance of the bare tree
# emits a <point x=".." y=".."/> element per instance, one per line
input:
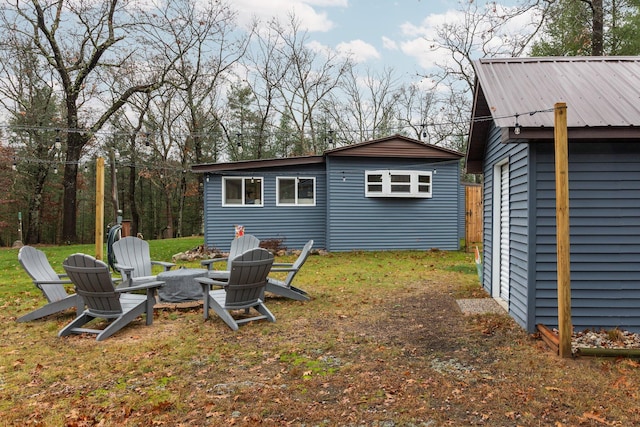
<point x="83" y="43"/>
<point x="300" y="78"/>
<point x="482" y="31"/>
<point x="415" y="110"/>
<point x="365" y="107"/>
<point x="205" y="40"/>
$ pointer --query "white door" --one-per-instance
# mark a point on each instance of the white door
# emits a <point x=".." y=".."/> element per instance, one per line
<point x="500" y="249"/>
<point x="504" y="232"/>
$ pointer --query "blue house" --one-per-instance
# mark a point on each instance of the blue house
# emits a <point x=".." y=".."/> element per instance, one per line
<point x="389" y="193"/>
<point x="511" y="143"/>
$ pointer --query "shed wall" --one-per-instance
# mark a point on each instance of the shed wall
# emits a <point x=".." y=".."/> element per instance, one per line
<point x="356" y="222"/>
<point x="517" y="155"/>
<point x="604" y="207"/>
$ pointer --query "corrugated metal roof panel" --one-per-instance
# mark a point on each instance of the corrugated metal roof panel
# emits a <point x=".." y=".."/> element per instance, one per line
<point x="598" y="91"/>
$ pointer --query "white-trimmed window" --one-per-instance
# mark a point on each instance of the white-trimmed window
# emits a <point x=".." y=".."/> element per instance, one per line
<point x="398" y="183"/>
<point x="295" y="191"/>
<point x="242" y="191"/>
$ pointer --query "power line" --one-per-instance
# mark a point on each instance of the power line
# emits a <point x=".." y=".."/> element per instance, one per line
<point x="154" y="134"/>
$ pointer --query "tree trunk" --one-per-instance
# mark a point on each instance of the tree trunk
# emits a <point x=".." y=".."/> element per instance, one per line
<point x="32" y="234"/>
<point x="135" y="215"/>
<point x="114" y="186"/>
<point x="75" y="142"/>
<point x="597" y="43"/>
<point x="182" y="195"/>
<point x="168" y="231"/>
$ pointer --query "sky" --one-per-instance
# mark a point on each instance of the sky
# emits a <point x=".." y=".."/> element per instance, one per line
<point x="378" y="33"/>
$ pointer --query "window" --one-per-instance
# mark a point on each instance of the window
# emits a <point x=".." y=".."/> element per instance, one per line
<point x="398" y="183"/>
<point x="296" y="191"/>
<point x="242" y="191"/>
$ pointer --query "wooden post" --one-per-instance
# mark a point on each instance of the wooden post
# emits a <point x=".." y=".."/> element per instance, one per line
<point x="565" y="328"/>
<point x="99" y="208"/>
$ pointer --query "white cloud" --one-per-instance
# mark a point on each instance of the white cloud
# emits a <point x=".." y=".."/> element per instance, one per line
<point x="304" y="10"/>
<point x="418" y="46"/>
<point x="387" y="43"/>
<point x="318" y="47"/>
<point x="358" y="50"/>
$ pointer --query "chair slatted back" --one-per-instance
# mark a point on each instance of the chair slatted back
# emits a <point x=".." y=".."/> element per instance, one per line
<point x="133" y="252"/>
<point x="93" y="282"/>
<point x="37" y="266"/>
<point x="299" y="262"/>
<point x="248" y="277"/>
<point x="241" y="245"/>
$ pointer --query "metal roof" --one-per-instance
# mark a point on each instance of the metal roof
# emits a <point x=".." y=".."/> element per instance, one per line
<point x="602" y="95"/>
<point x="598" y="91"/>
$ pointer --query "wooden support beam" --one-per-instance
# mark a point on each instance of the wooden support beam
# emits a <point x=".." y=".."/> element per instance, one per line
<point x="99" y="233"/>
<point x="550" y="338"/>
<point x="565" y="328"/>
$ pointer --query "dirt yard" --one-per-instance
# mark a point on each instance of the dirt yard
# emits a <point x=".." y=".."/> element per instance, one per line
<point x="372" y="348"/>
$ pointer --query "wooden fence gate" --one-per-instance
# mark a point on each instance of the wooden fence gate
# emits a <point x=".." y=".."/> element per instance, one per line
<point x="473" y="216"/>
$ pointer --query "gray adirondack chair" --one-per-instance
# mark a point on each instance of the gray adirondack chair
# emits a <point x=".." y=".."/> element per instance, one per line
<point x="133" y="261"/>
<point x="242" y="291"/>
<point x="284" y="287"/>
<point x="37" y="266"/>
<point x="93" y="282"/>
<point x="239" y="245"/>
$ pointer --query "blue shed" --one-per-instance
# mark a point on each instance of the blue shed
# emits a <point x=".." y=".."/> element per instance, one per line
<point x="389" y="193"/>
<point x="511" y="143"/>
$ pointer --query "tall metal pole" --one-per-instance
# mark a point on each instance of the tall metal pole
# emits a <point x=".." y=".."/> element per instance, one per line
<point x="562" y="228"/>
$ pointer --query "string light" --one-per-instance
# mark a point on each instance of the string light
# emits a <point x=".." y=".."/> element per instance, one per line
<point x="149" y="135"/>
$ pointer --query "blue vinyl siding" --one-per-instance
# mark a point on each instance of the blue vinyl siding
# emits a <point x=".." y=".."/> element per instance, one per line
<point x="295" y="225"/>
<point x="604" y="218"/>
<point x="462" y="212"/>
<point x="519" y="244"/>
<point x="356" y="222"/>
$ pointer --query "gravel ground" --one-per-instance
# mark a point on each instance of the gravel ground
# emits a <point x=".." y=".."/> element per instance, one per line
<point x="613" y="339"/>
<point x="480" y="306"/>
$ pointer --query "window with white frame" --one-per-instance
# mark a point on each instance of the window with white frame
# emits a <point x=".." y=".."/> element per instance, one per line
<point x="295" y="191"/>
<point x="398" y="183"/>
<point x="242" y="191"/>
